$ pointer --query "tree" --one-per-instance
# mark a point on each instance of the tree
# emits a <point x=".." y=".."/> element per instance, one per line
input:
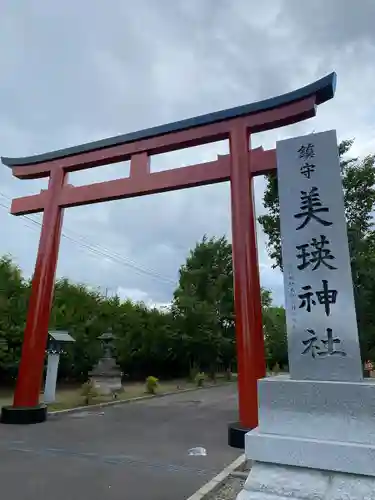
<point x="358" y="178"/>
<point x="275" y="336"/>
<point x="145" y="337"/>
<point x="14" y="293"/>
<point x="204" y="304"/>
<point x="78" y="310"/>
<point x="198" y="329"/>
<point x="145" y="342"/>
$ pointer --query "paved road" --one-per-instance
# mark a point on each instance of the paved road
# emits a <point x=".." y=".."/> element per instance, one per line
<point x="136" y="451"/>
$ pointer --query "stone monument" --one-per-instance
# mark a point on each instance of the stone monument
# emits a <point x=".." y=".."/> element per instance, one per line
<point x="316" y="431"/>
<point x="106" y="376"/>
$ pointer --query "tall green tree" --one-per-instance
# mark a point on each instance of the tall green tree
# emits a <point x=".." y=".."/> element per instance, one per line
<point x="78" y="310"/>
<point x="204" y="304"/>
<point x="358" y="177"/>
<point x="145" y="342"/>
<point x="14" y="294"/>
<point x="275" y="336"/>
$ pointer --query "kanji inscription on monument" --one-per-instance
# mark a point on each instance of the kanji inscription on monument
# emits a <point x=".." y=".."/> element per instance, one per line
<point x="321" y="320"/>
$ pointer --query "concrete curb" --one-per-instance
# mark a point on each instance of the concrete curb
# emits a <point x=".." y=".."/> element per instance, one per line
<point x="216" y="482"/>
<point x="130" y="400"/>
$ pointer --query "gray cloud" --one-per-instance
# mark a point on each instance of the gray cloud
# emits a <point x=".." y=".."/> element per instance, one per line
<point x="75" y="72"/>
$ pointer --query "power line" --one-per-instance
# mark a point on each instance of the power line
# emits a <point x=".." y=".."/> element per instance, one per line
<point x="98" y="250"/>
<point x="103" y="252"/>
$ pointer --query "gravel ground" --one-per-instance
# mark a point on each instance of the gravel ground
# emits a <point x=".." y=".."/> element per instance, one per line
<point x="228" y="490"/>
<point x="231" y="487"/>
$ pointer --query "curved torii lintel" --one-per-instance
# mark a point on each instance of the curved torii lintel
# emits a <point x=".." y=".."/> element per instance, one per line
<point x="323" y="90"/>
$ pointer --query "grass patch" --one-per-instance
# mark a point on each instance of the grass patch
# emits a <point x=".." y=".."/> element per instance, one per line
<point x="71" y="397"/>
<point x="5" y="397"/>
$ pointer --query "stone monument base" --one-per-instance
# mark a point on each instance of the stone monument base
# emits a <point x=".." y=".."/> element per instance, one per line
<point x="315" y="440"/>
<point x="280" y="482"/>
<point x="315" y="424"/>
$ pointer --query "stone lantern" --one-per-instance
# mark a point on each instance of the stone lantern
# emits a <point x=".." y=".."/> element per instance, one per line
<point x="106" y="375"/>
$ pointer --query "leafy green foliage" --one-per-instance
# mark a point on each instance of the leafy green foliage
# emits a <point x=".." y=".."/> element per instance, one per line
<point x="151" y="384"/>
<point x="89" y="391"/>
<point x="275" y="336"/>
<point x="14" y="294"/>
<point x="203" y="304"/>
<point x="200" y="378"/>
<point x="197" y="335"/>
<point x="276" y="369"/>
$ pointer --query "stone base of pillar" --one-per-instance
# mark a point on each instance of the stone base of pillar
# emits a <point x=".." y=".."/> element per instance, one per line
<point x="279" y="482"/>
<point x="23" y="416"/>
<point x="236" y="435"/>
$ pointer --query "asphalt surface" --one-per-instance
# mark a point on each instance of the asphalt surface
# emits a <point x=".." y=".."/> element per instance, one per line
<point x="136" y="451"/>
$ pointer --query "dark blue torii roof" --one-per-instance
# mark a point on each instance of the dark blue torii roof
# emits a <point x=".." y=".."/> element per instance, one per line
<point x="323" y="89"/>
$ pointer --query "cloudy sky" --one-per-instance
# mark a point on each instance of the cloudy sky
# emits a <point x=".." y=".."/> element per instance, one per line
<point x="72" y="72"/>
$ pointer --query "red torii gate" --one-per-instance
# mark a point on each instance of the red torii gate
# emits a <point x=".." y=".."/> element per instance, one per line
<point x="239" y="167"/>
